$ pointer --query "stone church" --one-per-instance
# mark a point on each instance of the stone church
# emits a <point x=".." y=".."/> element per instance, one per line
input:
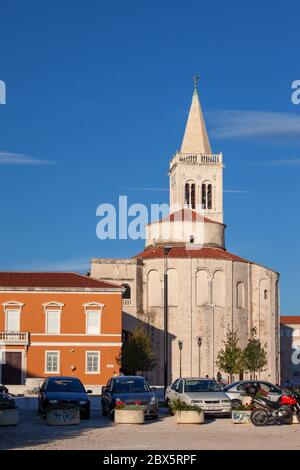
<point x="209" y="288"/>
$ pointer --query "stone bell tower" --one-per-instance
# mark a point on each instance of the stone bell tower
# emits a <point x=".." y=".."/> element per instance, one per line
<point x="196" y="174"/>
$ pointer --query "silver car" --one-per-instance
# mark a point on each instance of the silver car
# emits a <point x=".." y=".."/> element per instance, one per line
<point x="205" y="393"/>
<point x="237" y="390"/>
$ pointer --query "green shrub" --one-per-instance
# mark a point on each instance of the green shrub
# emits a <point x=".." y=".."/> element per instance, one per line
<point x="179" y="405"/>
<point x="129" y="407"/>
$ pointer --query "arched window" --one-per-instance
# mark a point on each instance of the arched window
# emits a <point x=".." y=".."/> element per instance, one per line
<point x="240" y="295"/>
<point x="202" y="291"/>
<point x="209" y="196"/>
<point x="154" y="289"/>
<point x="218" y="289"/>
<point x="193" y="190"/>
<point x="173" y="287"/>
<point x="127" y="293"/>
<point x="187" y="194"/>
<point x="190" y="195"/>
<point x="206" y="195"/>
<point x="203" y="193"/>
<point x="264" y="291"/>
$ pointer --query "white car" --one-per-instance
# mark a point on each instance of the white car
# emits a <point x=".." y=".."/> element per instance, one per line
<point x="237" y="390"/>
<point x="205" y="393"/>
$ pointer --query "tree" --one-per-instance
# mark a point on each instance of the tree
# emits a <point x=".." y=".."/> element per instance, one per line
<point x="137" y="354"/>
<point x="254" y="354"/>
<point x="229" y="359"/>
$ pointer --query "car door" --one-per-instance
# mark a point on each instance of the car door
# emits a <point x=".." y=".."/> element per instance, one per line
<point x="179" y="389"/>
<point x="171" y="391"/>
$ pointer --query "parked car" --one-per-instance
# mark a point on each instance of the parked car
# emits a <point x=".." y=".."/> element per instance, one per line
<point x="236" y="390"/>
<point x="129" y="390"/>
<point x="205" y="393"/>
<point x="64" y="392"/>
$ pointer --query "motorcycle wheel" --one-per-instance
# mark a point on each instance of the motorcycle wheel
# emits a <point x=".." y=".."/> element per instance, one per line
<point x="259" y="418"/>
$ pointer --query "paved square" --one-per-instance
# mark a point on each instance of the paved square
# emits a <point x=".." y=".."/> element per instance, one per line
<point x="100" y="433"/>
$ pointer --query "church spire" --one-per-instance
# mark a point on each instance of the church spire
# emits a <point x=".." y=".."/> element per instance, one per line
<point x="195" y="139"/>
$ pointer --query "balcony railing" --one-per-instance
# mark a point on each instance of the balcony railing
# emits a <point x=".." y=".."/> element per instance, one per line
<point x="127" y="302"/>
<point x="14" y="337"/>
<point x="197" y="158"/>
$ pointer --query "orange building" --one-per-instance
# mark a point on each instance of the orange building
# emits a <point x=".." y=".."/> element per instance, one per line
<point x="58" y="324"/>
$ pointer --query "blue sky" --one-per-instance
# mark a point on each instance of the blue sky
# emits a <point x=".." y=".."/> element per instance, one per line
<point x="97" y="98"/>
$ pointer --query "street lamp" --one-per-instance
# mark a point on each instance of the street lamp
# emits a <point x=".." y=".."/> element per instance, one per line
<point x="199" y="342"/>
<point x="213" y="306"/>
<point x="180" y="345"/>
<point x="166" y="345"/>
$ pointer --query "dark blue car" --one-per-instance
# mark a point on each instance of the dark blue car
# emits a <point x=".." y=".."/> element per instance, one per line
<point x="129" y="390"/>
<point x="67" y="392"/>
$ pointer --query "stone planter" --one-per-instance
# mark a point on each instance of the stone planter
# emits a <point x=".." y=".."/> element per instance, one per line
<point x="189" y="417"/>
<point x="129" y="416"/>
<point x="9" y="417"/>
<point x="63" y="417"/>
<point x="296" y="419"/>
<point x="246" y="400"/>
<point x="241" y="417"/>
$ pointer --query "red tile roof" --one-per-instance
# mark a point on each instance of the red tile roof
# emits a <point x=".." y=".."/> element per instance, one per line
<point x="55" y="280"/>
<point x="183" y="252"/>
<point x="290" y="319"/>
<point x="187" y="215"/>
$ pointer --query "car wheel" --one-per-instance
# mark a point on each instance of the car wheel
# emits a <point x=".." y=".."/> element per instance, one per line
<point x="235" y="404"/>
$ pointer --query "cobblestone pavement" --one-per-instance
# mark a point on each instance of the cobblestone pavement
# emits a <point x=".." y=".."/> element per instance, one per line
<point x="100" y="433"/>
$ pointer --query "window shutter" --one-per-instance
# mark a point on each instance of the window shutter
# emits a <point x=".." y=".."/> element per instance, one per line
<point x="93" y="322"/>
<point x="53" y="320"/>
<point x="13" y="323"/>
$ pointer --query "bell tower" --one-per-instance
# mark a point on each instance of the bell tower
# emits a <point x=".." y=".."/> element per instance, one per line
<point x="196" y="174"/>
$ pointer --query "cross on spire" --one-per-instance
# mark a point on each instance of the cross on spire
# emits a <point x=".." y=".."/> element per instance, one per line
<point x="196" y="80"/>
<point x="195" y="139"/>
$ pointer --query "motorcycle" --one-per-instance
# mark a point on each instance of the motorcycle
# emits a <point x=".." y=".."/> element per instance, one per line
<point x="279" y="412"/>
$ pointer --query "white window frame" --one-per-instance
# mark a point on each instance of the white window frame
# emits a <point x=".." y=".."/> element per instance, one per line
<point x="94" y="307"/>
<point x="58" y="362"/>
<point x="86" y="362"/>
<point x="50" y="307"/>
<point x="99" y="322"/>
<point x="9" y="310"/>
<point x="51" y="310"/>
<point x="15" y="306"/>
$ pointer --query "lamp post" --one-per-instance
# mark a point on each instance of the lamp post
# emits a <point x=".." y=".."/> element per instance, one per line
<point x="180" y="346"/>
<point x="199" y="342"/>
<point x="213" y="338"/>
<point x="166" y="343"/>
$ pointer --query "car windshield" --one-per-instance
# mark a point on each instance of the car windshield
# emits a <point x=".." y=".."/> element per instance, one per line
<point x="130" y="386"/>
<point x="65" y="385"/>
<point x="202" y="386"/>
